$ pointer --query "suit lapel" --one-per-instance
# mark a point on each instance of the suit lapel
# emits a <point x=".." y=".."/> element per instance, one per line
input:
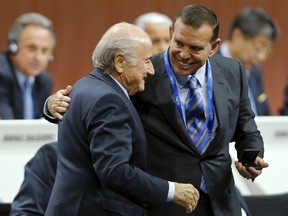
<point x="220" y="98"/>
<point x="109" y="80"/>
<point x="112" y="83"/>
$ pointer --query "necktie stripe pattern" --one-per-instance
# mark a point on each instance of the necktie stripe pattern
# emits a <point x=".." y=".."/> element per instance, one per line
<point x="195" y="117"/>
<point x="203" y="185"/>
<point x="196" y="121"/>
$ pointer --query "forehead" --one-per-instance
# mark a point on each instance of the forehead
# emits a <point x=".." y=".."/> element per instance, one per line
<point x="143" y="48"/>
<point x="263" y="39"/>
<point x="182" y="31"/>
<point x="34" y="33"/>
<point x="157" y="28"/>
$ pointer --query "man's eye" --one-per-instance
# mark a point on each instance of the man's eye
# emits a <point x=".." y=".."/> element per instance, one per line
<point x="178" y="43"/>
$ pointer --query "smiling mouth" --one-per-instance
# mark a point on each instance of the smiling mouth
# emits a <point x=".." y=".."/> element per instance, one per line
<point x="184" y="63"/>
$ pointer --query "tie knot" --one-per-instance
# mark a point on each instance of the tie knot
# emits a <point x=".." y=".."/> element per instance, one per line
<point x="27" y="83"/>
<point x="193" y="82"/>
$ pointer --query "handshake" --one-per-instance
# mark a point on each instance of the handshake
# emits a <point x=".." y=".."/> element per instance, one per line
<point x="186" y="195"/>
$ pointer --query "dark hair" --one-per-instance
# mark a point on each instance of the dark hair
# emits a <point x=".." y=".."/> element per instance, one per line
<point x="254" y="21"/>
<point x="197" y="15"/>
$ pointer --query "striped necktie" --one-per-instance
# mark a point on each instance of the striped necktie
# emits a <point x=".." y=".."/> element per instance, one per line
<point x="196" y="122"/>
<point x="28" y="107"/>
<point x="195" y="117"/>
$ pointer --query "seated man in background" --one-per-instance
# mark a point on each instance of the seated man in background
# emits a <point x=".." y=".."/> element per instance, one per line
<point x="251" y="38"/>
<point x="156" y="25"/>
<point x="24" y="83"/>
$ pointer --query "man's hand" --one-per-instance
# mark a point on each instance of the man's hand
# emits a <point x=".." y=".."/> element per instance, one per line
<point x="186" y="195"/>
<point x="59" y="102"/>
<point x="250" y="172"/>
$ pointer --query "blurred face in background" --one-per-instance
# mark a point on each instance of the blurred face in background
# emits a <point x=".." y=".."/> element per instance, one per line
<point x="251" y="51"/>
<point x="34" y="49"/>
<point x="159" y="34"/>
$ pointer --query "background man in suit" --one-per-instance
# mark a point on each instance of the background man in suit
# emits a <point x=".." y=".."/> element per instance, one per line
<point x="30" y="44"/>
<point x="251" y="38"/>
<point x="172" y="153"/>
<point x="284" y="109"/>
<point x="101" y="141"/>
<point x="156" y="25"/>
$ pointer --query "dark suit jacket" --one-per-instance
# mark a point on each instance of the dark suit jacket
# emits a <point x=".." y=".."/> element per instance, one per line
<point x="102" y="155"/>
<point x="257" y="89"/>
<point x="11" y="105"/>
<point x="35" y="191"/>
<point x="171" y="153"/>
<point x="284" y="110"/>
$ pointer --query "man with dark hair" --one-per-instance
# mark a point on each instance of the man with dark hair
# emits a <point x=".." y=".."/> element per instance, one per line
<point x="181" y="145"/>
<point x="250" y="39"/>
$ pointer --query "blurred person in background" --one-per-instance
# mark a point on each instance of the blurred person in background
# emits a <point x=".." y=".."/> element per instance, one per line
<point x="250" y="39"/>
<point x="284" y="110"/>
<point x="24" y="83"/>
<point x="156" y="25"/>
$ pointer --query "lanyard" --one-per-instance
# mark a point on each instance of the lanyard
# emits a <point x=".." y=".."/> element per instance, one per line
<point x="170" y="74"/>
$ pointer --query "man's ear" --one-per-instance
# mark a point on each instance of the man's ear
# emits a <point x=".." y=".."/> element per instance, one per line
<point x="170" y="32"/>
<point x="215" y="47"/>
<point x="119" y="62"/>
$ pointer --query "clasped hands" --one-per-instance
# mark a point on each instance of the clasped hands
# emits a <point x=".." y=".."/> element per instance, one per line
<point x="186" y="195"/>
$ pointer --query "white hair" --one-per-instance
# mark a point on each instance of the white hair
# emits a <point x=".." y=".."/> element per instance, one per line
<point x="120" y="38"/>
<point x="152" y="18"/>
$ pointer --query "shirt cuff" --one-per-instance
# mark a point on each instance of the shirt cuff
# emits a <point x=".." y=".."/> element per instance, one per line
<point x="48" y="115"/>
<point x="171" y="191"/>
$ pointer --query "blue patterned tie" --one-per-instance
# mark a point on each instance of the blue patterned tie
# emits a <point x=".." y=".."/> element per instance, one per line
<point x="195" y="117"/>
<point x="28" y="108"/>
<point x="195" y="120"/>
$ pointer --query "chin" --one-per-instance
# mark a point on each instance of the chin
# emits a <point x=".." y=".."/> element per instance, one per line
<point x="34" y="72"/>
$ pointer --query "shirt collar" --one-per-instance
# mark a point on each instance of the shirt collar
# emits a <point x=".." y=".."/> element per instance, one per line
<point x="121" y="86"/>
<point x="22" y="78"/>
<point x="224" y="50"/>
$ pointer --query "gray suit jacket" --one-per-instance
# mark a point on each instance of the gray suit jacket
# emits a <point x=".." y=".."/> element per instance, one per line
<point x="102" y="155"/>
<point x="11" y="105"/>
<point x="171" y="153"/>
